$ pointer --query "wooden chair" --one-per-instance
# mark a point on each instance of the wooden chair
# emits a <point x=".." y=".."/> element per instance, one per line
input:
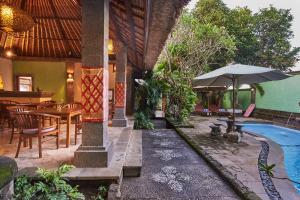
<point x="78" y="127"/>
<point x="78" y="120"/>
<point x="4" y="112"/>
<point x="12" y="111"/>
<point x="31" y="126"/>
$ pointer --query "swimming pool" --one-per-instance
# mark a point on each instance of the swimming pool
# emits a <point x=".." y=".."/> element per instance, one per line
<point x="289" y="140"/>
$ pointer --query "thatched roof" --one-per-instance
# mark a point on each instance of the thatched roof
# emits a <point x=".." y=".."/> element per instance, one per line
<point x="143" y="25"/>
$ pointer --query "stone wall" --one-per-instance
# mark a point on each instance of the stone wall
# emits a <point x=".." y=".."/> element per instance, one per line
<point x="8" y="170"/>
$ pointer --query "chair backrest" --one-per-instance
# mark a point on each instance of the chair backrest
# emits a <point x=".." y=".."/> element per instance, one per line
<point x="72" y="105"/>
<point x="27" y="119"/>
<point x="13" y="109"/>
<point x="8" y="102"/>
<point x="199" y="107"/>
<point x="213" y="108"/>
<point x="49" y="102"/>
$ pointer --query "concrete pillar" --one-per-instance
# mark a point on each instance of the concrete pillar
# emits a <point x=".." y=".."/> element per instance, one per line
<point x="96" y="149"/>
<point x="119" y="118"/>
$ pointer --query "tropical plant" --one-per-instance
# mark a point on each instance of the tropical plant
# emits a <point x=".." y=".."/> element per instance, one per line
<point x="148" y="95"/>
<point x="180" y="97"/>
<point x="102" y="192"/>
<point x="51" y="186"/>
<point x="188" y="52"/>
<point x="192" y="46"/>
<point x="142" y="121"/>
<point x="269" y="169"/>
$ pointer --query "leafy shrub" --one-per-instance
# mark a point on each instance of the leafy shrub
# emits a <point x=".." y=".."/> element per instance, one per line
<point x="51" y="186"/>
<point x="148" y="95"/>
<point x="102" y="191"/>
<point x="142" y="121"/>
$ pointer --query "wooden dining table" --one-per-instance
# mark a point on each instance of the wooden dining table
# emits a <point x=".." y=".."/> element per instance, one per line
<point x="66" y="113"/>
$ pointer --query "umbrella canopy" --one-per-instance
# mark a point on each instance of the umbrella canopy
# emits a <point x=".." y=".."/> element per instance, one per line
<point x="236" y="74"/>
<point x="245" y="74"/>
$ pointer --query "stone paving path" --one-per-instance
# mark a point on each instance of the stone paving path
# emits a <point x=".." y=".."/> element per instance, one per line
<point x="172" y="170"/>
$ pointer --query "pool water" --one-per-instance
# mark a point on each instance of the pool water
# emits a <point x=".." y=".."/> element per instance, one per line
<point x="289" y="140"/>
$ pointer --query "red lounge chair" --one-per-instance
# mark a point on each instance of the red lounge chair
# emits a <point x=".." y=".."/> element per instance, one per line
<point x="214" y="109"/>
<point x="249" y="110"/>
<point x="202" y="111"/>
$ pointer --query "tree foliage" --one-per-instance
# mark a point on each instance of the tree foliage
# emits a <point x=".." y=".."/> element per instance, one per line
<point x="273" y="30"/>
<point x="240" y="23"/>
<point x="192" y="46"/>
<point x="261" y="38"/>
<point x="187" y="53"/>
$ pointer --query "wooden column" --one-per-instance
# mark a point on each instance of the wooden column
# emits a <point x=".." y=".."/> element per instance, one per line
<point x="96" y="150"/>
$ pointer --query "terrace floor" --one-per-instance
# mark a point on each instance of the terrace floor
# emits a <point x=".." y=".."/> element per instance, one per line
<point x="52" y="157"/>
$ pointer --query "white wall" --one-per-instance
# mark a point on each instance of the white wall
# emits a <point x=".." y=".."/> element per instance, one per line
<point x="6" y="71"/>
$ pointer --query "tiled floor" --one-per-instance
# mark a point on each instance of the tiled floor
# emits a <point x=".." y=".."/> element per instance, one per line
<point x="52" y="157"/>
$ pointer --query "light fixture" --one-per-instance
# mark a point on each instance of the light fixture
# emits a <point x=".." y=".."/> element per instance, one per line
<point x="13" y="19"/>
<point x="1" y="82"/>
<point x="110" y="46"/>
<point x="9" y="53"/>
<point x="70" y="77"/>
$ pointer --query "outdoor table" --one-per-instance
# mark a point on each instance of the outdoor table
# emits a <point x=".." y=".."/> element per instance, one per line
<point x="67" y="113"/>
<point x="239" y="128"/>
<point x="230" y="125"/>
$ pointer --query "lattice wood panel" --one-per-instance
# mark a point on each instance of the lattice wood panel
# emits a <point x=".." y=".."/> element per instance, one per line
<point x="92" y="94"/>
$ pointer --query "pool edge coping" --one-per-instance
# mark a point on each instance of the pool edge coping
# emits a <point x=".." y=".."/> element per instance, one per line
<point x="242" y="190"/>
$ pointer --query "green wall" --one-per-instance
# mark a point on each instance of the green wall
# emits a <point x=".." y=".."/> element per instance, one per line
<point x="48" y="76"/>
<point x="244" y="99"/>
<point x="281" y="95"/>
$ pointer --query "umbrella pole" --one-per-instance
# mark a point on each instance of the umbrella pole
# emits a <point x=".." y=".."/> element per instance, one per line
<point x="233" y="106"/>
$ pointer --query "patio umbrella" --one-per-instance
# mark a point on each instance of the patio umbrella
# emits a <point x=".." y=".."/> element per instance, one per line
<point x="238" y="74"/>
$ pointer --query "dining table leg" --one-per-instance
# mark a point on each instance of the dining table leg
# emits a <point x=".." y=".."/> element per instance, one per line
<point x="68" y="131"/>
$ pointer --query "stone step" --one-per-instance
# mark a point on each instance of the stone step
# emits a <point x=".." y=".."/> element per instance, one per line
<point x="113" y="173"/>
<point x="133" y="161"/>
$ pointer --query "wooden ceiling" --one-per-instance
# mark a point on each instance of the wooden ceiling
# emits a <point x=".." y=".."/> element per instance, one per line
<point x="142" y="25"/>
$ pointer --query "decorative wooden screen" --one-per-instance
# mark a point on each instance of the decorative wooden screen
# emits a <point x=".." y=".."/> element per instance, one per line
<point x="120" y="95"/>
<point x="92" y="94"/>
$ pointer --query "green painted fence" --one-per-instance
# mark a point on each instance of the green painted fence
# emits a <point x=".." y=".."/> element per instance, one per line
<point x="281" y="95"/>
<point x="244" y="99"/>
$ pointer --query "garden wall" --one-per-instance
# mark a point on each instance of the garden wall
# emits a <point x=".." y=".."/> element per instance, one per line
<point x="281" y="95"/>
<point x="244" y="99"/>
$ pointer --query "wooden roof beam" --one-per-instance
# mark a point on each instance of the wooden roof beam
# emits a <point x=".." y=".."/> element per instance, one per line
<point x="122" y="9"/>
<point x="130" y="21"/>
<point x="63" y="34"/>
<point x="118" y="33"/>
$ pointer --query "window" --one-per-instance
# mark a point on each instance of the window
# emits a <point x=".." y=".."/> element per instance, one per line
<point x="25" y="83"/>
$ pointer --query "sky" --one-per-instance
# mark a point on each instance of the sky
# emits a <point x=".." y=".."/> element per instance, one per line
<point x="255" y="5"/>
